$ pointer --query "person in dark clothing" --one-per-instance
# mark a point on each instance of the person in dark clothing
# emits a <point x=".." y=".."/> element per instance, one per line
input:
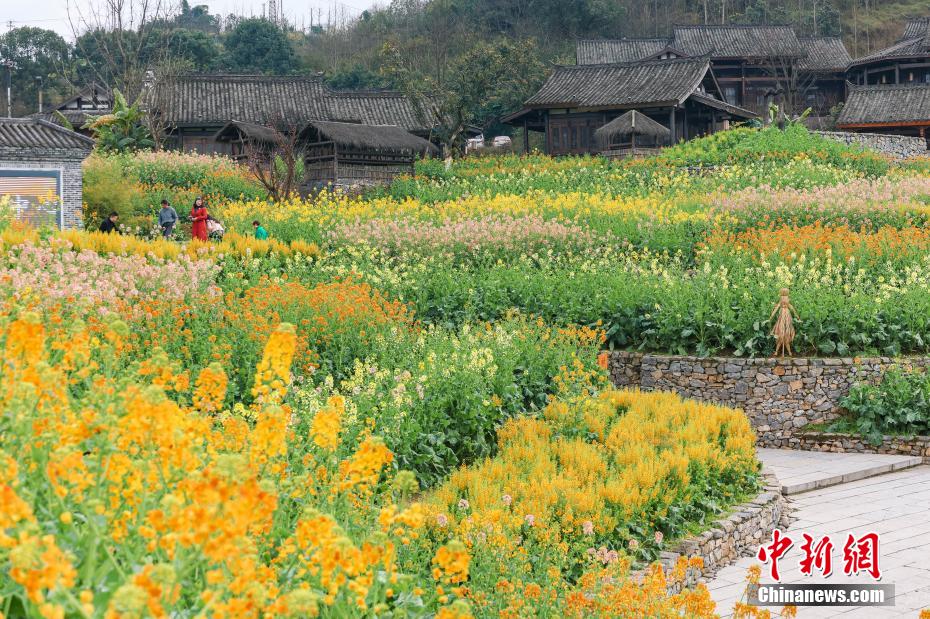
<point x="109" y="224"/>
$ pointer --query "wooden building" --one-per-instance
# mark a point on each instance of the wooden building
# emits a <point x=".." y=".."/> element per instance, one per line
<point x="192" y="109"/>
<point x="681" y="94"/>
<point x="336" y="153"/>
<point x="902" y="109"/>
<point x="753" y="64"/>
<point x="87" y="104"/>
<point x="907" y="61"/>
<point x="352" y="154"/>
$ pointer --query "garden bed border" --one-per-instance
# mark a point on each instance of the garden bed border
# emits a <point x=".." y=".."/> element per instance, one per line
<point x="837" y="442"/>
<point x="733" y="536"/>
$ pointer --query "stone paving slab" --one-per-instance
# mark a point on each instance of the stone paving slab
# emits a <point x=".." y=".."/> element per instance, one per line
<point x="899" y="499"/>
<point x="803" y="471"/>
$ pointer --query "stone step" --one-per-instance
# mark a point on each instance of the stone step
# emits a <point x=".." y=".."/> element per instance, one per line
<point x="803" y="471"/>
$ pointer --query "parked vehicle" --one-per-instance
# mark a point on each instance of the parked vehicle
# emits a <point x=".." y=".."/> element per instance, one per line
<point x="502" y="140"/>
<point x="475" y="143"/>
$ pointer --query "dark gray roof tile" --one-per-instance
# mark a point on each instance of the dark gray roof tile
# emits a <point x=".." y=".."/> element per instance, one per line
<point x="217" y="99"/>
<point x="886" y="104"/>
<point x="738" y="41"/>
<point x="622" y="85"/>
<point x="824" y="54"/>
<point x="606" y="51"/>
<point x="37" y="134"/>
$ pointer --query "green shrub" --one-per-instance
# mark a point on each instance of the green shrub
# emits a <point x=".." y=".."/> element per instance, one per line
<point x="899" y="404"/>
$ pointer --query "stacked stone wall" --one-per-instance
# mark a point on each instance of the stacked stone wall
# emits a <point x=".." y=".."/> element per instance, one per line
<point x="780" y="396"/>
<point x="898" y="146"/>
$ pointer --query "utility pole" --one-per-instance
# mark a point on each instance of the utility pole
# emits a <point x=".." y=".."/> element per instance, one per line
<point x="39" y="83"/>
<point x="10" y="65"/>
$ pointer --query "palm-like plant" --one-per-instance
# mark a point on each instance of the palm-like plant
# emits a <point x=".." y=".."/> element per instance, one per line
<point x="122" y="130"/>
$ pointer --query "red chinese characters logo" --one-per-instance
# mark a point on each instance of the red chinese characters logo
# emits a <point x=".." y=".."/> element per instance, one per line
<point x="819" y="555"/>
<point x="774" y="551"/>
<point x="859" y="554"/>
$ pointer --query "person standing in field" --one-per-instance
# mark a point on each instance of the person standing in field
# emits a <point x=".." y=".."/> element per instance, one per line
<point x="109" y="224"/>
<point x="260" y="232"/>
<point x="199" y="217"/>
<point x="167" y="219"/>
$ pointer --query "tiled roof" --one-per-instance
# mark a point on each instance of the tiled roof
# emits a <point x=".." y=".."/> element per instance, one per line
<point x="907" y="48"/>
<point x="738" y="41"/>
<point x="917" y="28"/>
<point x="77" y="118"/>
<point x="735" y="110"/>
<point x="373" y="108"/>
<point x="886" y="104"/>
<point x="824" y="54"/>
<point x="716" y="41"/>
<point x="217" y="99"/>
<point x="37" y="134"/>
<point x="606" y="51"/>
<point x="622" y="85"/>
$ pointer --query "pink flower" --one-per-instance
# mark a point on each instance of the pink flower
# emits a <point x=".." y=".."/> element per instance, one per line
<point x="507" y="499"/>
<point x="442" y="521"/>
<point x="633" y="545"/>
<point x="530" y="520"/>
<point x="659" y="537"/>
<point x="588" y="527"/>
<point x="463" y="504"/>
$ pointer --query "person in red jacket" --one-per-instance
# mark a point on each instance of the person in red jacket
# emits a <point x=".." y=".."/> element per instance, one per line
<point x="199" y="217"/>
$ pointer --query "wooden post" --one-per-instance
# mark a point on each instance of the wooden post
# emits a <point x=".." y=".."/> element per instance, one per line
<point x="897" y="74"/>
<point x="684" y="129"/>
<point x="335" y="165"/>
<point x="526" y="137"/>
<point x="546" y="125"/>
<point x="633" y="135"/>
<point x="671" y="123"/>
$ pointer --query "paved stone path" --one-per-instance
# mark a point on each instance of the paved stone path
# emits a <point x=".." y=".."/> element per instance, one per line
<point x="895" y="505"/>
<point x="800" y="471"/>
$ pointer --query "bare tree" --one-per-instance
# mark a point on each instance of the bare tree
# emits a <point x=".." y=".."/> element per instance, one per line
<point x="791" y="84"/>
<point x="119" y="36"/>
<point x="275" y="157"/>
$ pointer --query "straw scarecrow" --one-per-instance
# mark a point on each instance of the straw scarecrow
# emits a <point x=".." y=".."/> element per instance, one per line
<point x="783" y="330"/>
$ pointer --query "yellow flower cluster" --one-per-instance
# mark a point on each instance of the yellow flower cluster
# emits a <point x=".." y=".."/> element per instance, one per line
<point x="326" y="210"/>
<point x="157" y="499"/>
<point x="193" y="510"/>
<point x="119" y="244"/>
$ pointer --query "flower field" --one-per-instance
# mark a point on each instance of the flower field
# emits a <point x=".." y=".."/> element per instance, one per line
<point x="398" y="405"/>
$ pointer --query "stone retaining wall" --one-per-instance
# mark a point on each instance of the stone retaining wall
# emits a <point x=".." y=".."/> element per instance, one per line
<point x="899" y="146"/>
<point x="848" y="443"/>
<point x="779" y="396"/>
<point x="734" y="536"/>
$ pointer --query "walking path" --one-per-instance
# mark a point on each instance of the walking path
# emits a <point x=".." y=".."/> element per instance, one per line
<point x="838" y="494"/>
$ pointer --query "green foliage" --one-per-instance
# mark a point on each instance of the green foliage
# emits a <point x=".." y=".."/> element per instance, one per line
<point x="106" y="189"/>
<point x="438" y="397"/>
<point x="40" y="56"/>
<point x="899" y="404"/>
<point x="259" y="46"/>
<point x="357" y="77"/>
<point x="478" y="87"/>
<point x="122" y="130"/>
<point x="745" y="145"/>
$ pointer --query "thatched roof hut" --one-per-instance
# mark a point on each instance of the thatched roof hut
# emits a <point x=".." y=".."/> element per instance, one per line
<point x="631" y="124"/>
<point x="375" y="137"/>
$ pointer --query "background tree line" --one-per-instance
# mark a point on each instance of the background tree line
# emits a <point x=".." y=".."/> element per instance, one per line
<point x="481" y="58"/>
